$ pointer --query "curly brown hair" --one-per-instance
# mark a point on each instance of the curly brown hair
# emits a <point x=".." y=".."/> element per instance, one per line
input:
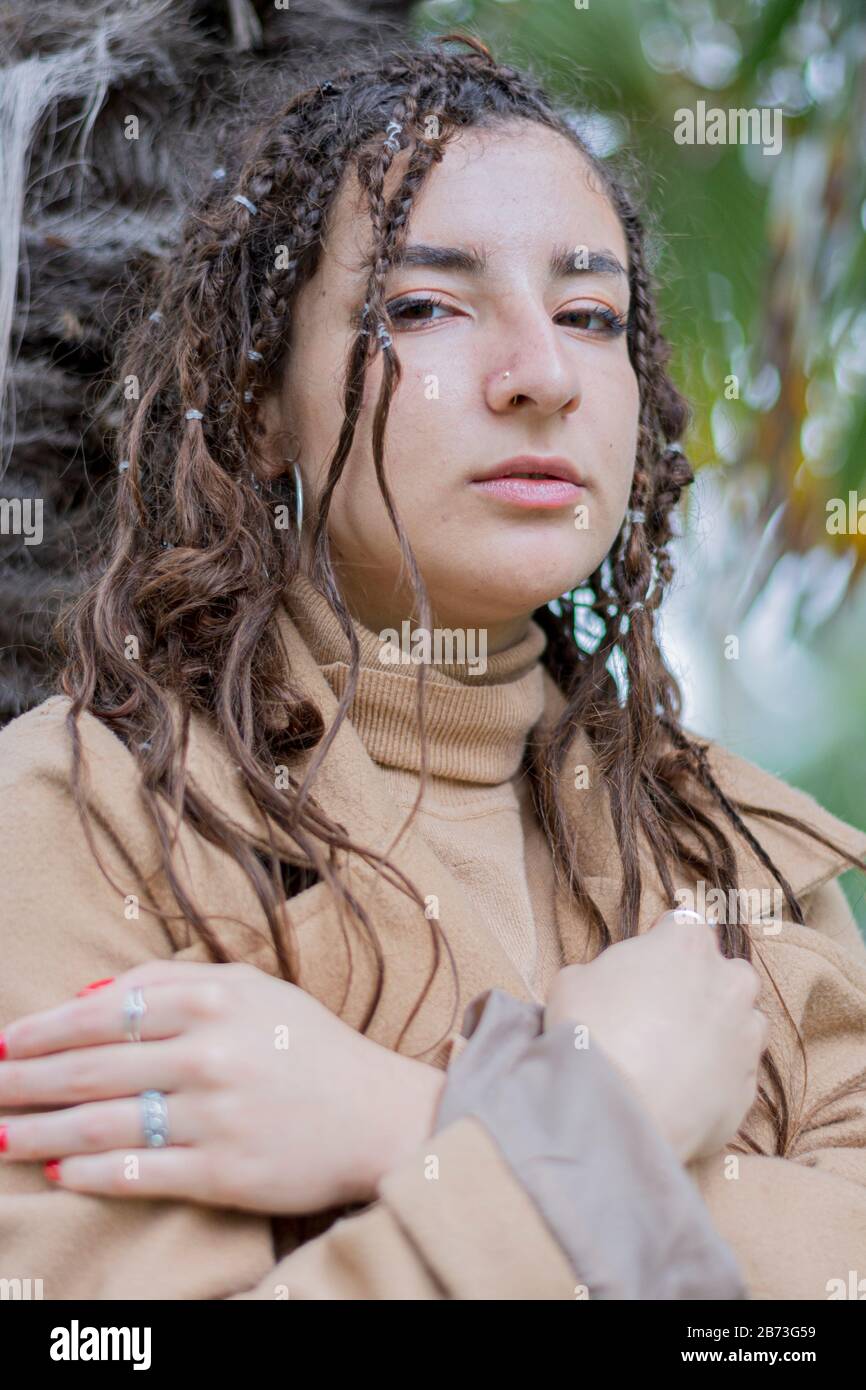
<point x="194" y="567"/>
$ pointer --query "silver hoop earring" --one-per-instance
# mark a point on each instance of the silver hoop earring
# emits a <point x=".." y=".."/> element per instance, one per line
<point x="299" y="497"/>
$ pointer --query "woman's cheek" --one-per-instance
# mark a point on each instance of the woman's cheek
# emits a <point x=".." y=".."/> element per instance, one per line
<point x="622" y="433"/>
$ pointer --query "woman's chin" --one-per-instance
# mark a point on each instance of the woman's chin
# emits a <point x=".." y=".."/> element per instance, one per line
<point x="492" y="598"/>
<point x="516" y="579"/>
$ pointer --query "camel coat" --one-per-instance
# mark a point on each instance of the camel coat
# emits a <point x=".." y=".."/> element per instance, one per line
<point x="794" y="1224"/>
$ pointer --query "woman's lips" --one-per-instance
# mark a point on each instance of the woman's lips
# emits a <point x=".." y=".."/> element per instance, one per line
<point x="531" y="492"/>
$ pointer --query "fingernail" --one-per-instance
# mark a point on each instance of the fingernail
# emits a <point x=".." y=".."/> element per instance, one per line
<point x="2" y="1046"/>
<point x="97" y="984"/>
<point x="4" y="1138"/>
<point x="52" y="1169"/>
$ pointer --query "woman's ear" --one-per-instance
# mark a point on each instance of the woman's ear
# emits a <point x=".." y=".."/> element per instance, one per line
<point x="278" y="446"/>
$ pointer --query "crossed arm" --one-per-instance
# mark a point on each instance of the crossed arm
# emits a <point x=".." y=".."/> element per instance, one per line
<point x="451" y="1214"/>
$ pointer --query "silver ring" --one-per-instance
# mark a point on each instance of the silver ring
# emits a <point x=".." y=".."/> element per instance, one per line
<point x="134" y="1009"/>
<point x="154" y="1119"/>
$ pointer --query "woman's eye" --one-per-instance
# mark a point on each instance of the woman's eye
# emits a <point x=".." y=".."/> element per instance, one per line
<point x="415" y="310"/>
<point x="611" y="323"/>
<point x="597" y="319"/>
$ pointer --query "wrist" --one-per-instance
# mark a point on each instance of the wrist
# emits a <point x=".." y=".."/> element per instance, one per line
<point x="406" y="1097"/>
<point x="649" y="1094"/>
<point x="412" y="1117"/>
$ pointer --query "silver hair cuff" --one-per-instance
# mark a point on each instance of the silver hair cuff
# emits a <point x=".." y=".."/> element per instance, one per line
<point x="392" y="141"/>
<point x="299" y="497"/>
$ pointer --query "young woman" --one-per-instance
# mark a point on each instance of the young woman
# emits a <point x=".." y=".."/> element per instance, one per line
<point x="394" y="939"/>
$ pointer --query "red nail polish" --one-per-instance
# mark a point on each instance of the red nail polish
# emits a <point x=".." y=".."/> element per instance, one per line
<point x="4" y="1138"/>
<point x="52" y="1169"/>
<point x="97" y="984"/>
<point x="2" y="1046"/>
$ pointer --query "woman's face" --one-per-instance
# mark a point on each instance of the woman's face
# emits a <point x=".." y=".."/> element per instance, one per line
<point x="518" y="367"/>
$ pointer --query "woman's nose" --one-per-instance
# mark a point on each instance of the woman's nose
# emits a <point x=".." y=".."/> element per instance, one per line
<point x="536" y="375"/>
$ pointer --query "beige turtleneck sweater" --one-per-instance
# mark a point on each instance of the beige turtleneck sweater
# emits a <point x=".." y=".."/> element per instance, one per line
<point x="476" y="813"/>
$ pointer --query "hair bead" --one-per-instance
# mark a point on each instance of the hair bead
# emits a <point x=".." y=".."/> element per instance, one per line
<point x="244" y="202"/>
<point x="194" y="415"/>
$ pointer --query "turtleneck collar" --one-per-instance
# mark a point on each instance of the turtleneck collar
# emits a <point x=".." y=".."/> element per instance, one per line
<point x="476" y="725"/>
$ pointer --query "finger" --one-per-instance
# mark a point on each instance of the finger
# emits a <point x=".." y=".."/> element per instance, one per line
<point x="158" y="972"/>
<point x="170" y="1008"/>
<point x="84" y="1129"/>
<point x="170" y="1172"/>
<point x="91" y="1073"/>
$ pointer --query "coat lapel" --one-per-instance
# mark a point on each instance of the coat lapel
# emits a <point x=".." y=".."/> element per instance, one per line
<point x="802" y="861"/>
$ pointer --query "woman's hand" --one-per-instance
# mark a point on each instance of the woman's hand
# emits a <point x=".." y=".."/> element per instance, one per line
<point x="678" y="1020"/>
<point x="274" y="1104"/>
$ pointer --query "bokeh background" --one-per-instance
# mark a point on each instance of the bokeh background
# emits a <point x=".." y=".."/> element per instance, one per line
<point x="762" y="269"/>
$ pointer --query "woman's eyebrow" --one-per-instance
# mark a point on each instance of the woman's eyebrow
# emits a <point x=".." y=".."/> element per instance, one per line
<point x="564" y="260"/>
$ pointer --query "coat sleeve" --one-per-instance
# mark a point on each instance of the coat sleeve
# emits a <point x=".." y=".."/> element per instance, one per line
<point x="472" y="1233"/>
<point x="452" y="1222"/>
<point x="529" y="1131"/>
<point x="798" y="1223"/>
<point x="63" y="926"/>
